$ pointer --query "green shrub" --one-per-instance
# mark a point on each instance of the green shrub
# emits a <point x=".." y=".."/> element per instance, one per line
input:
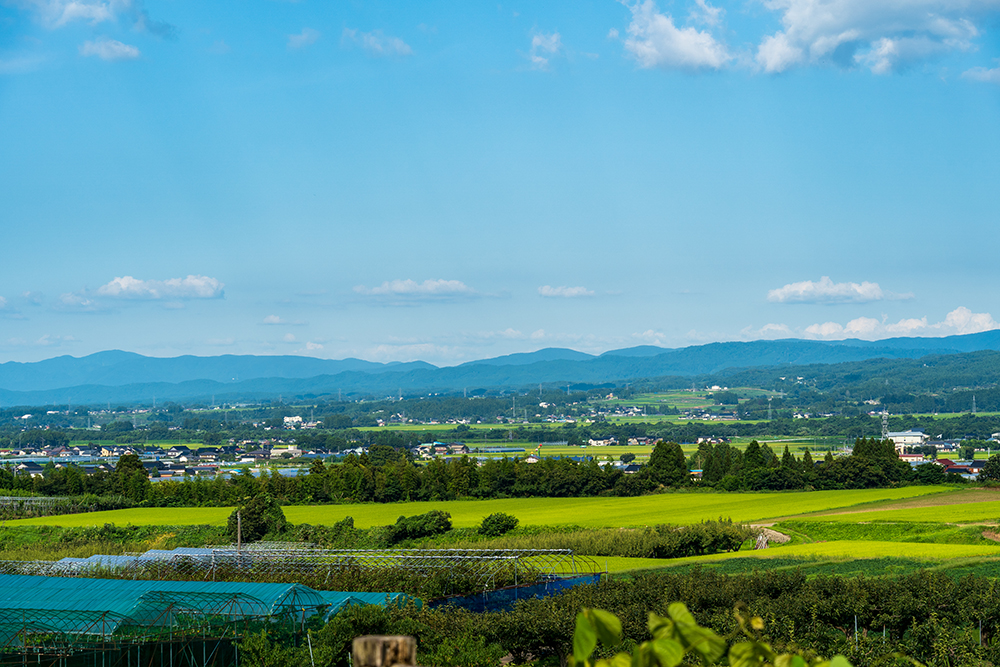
<point x="434" y="522"/>
<point x="497" y="524"/>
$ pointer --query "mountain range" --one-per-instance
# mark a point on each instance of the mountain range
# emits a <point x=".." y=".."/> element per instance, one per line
<point x="125" y="377"/>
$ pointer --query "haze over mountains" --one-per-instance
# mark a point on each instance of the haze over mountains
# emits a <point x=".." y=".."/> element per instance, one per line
<point x="132" y="378"/>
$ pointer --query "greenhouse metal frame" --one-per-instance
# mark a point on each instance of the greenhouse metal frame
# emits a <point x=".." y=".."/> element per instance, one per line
<point x="278" y="561"/>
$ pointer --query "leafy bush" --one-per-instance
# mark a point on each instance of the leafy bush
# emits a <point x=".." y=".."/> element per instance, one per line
<point x="676" y="636"/>
<point x="497" y="524"/>
<point x="434" y="522"/>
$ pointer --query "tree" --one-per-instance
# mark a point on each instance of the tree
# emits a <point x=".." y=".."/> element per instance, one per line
<point x="787" y="460"/>
<point x="752" y="457"/>
<point x="990" y="471"/>
<point x="257" y="517"/>
<point x="627" y="457"/>
<point x="667" y="465"/>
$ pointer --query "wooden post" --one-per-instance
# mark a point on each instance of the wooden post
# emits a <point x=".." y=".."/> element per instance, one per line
<point x="381" y="651"/>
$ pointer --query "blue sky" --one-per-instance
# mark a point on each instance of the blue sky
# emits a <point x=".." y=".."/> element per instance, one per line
<point x="451" y="181"/>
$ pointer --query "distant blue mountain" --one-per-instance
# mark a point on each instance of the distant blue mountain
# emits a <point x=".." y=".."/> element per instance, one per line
<point x="126" y="377"/>
<point x="639" y="351"/>
<point x="115" y="368"/>
<point x="525" y="358"/>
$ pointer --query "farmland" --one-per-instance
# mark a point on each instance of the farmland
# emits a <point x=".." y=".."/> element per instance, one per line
<point x="673" y="508"/>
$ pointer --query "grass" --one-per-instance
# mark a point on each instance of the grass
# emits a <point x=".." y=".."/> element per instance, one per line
<point x="173" y="516"/>
<point x="847" y="556"/>
<point x="674" y="508"/>
<point x="938" y="533"/>
<point x="987" y="511"/>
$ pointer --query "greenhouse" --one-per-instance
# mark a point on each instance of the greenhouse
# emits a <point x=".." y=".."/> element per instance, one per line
<point x="71" y="621"/>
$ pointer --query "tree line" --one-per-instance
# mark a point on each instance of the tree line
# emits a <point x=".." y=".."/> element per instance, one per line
<point x="386" y="474"/>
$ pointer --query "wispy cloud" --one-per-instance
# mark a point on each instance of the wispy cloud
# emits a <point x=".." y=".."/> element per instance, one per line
<point x="375" y="43"/>
<point x="768" y="331"/>
<point x="273" y="319"/>
<point x="305" y="38"/>
<point x="20" y="64"/>
<point x="883" y="36"/>
<point x="654" y="40"/>
<point x="543" y="48"/>
<point x="76" y="301"/>
<point x="109" y="49"/>
<point x="983" y="74"/>
<point x="564" y="292"/>
<point x="46" y="340"/>
<point x="826" y="291"/>
<point x="55" y="14"/>
<point x="411" y="290"/>
<point x="191" y="287"/>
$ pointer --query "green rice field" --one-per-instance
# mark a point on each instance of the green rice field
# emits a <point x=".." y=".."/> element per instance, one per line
<point x="674" y="508"/>
<point x="928" y="554"/>
<point x="979" y="512"/>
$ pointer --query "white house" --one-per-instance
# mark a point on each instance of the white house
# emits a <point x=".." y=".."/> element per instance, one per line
<point x="907" y="438"/>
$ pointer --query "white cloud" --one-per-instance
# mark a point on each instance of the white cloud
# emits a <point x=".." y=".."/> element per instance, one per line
<point x="3" y="303"/>
<point x="655" y="41"/>
<point x="48" y="340"/>
<point x="651" y="337"/>
<point x="312" y="347"/>
<point x="191" y="287"/>
<point x="613" y="33"/>
<point x="109" y="49"/>
<point x="564" y="292"/>
<point x="273" y="319"/>
<point x="412" y="290"/>
<point x="959" y="321"/>
<point x="20" y="64"/>
<point x="884" y="36"/>
<point x="964" y="321"/>
<point x="769" y="331"/>
<point x="543" y="47"/>
<point x="59" y="13"/>
<point x="826" y="291"/>
<point x="983" y="74"/>
<point x="305" y="38"/>
<point x="706" y="14"/>
<point x="375" y="43"/>
<point x="76" y="301"/>
<point x="289" y="338"/>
